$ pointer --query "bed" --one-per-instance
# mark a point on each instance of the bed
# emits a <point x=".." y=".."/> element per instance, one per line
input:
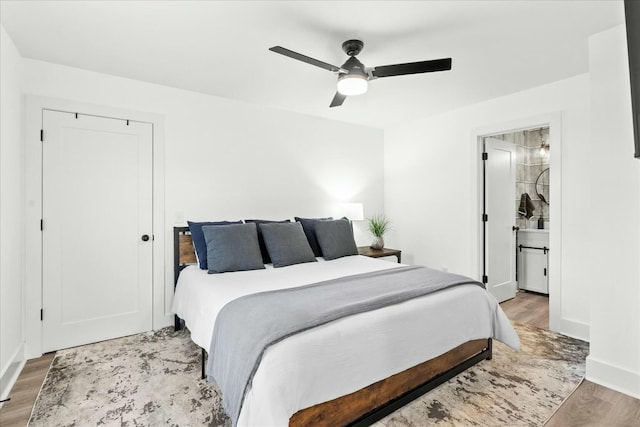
<point x="353" y="371"/>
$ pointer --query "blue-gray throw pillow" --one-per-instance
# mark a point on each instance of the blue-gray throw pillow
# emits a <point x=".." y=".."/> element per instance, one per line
<point x="336" y="239"/>
<point x="309" y="227"/>
<point x="232" y="248"/>
<point x="263" y="249"/>
<point x="286" y="244"/>
<point x="198" y="239"/>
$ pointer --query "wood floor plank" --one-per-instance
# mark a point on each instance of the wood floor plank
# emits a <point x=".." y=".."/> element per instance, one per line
<point x="594" y="406"/>
<point x="16" y="412"/>
<point x="529" y="308"/>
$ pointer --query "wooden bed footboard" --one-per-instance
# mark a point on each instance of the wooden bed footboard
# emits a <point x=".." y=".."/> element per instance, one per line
<point x="372" y="403"/>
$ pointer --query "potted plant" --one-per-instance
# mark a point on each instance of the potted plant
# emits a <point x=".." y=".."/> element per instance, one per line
<point x="378" y="225"/>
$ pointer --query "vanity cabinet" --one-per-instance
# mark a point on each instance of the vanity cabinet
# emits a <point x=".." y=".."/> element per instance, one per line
<point x="533" y="260"/>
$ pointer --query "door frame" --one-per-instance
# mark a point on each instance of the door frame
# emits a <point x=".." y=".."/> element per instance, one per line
<point x="34" y="106"/>
<point x="554" y="122"/>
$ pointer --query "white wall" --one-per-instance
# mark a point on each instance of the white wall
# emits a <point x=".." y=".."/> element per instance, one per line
<point x="614" y="359"/>
<point x="11" y="213"/>
<point x="431" y="186"/>
<point x="231" y="160"/>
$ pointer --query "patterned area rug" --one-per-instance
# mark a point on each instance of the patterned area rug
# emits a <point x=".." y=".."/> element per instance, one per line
<point x="154" y="379"/>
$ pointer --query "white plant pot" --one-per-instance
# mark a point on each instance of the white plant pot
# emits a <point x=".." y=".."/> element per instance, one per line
<point x="378" y="243"/>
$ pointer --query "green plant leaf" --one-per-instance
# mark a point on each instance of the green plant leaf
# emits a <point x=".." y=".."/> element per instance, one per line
<point x="379" y="224"/>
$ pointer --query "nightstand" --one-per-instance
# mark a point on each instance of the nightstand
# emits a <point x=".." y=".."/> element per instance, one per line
<point x="377" y="253"/>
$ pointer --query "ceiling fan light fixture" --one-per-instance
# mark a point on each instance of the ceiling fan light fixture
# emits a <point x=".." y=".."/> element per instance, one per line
<point x="352" y="84"/>
<point x="353" y="76"/>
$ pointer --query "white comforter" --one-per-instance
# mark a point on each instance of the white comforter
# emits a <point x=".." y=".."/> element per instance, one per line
<point x="346" y="355"/>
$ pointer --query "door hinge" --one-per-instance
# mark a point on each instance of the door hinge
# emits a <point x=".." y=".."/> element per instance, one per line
<point x="485" y="279"/>
<point x="41" y="224"/>
<point x="41" y="134"/>
<point x="485" y="156"/>
<point x="41" y="315"/>
<point x="545" y="271"/>
<point x="485" y="217"/>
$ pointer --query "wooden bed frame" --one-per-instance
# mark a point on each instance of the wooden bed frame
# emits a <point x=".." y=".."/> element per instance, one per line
<point x="374" y="402"/>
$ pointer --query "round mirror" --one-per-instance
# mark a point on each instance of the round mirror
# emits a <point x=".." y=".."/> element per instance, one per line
<point x="542" y="185"/>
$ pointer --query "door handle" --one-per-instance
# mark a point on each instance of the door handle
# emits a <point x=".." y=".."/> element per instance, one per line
<point x="145" y="237"/>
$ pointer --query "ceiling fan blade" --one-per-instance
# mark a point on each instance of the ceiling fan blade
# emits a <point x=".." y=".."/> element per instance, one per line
<point x="443" y="64"/>
<point x="300" y="57"/>
<point x="338" y="99"/>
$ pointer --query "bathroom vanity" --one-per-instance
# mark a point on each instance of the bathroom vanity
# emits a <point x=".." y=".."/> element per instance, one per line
<point x="533" y="260"/>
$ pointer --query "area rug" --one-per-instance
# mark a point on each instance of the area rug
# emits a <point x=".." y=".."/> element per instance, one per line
<point x="154" y="379"/>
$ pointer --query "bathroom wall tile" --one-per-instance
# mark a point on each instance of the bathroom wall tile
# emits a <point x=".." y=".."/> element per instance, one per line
<point x="545" y="135"/>
<point x="521" y="172"/>
<point x="545" y="210"/>
<point x="533" y="138"/>
<point x="520" y="154"/>
<point x="532" y="172"/>
<point x="538" y="203"/>
<point x="527" y="139"/>
<point x="529" y="173"/>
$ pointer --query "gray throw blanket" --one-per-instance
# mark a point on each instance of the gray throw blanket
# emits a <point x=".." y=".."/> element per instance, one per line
<point x="247" y="326"/>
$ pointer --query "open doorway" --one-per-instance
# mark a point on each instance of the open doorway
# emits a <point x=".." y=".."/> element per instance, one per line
<point x="516" y="195"/>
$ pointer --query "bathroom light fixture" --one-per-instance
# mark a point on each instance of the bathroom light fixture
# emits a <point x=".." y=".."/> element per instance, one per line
<point x="352" y="84"/>
<point x="543" y="150"/>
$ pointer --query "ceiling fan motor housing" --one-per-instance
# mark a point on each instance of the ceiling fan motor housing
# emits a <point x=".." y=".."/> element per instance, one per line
<point x="352" y="47"/>
<point x="354" y="67"/>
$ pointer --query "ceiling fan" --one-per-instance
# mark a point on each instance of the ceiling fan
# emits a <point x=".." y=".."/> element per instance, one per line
<point x="353" y="75"/>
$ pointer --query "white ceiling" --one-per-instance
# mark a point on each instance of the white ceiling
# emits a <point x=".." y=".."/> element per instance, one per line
<point x="221" y="48"/>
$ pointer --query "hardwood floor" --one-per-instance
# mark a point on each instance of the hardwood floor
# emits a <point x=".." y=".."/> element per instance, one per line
<point x="16" y="412"/>
<point x="591" y="405"/>
<point x="529" y="308"/>
<point x="594" y="406"/>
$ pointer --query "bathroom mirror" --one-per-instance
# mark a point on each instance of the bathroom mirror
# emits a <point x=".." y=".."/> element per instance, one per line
<point x="541" y="181"/>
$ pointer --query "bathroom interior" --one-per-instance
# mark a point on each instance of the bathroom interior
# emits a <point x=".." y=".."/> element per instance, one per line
<point x="531" y="208"/>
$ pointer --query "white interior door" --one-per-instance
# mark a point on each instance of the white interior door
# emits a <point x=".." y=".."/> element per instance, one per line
<point x="500" y="196"/>
<point x="97" y="205"/>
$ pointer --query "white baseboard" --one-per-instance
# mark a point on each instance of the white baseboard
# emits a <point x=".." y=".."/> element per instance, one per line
<point x="574" y="329"/>
<point x="167" y="320"/>
<point x="12" y="372"/>
<point x="613" y="377"/>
